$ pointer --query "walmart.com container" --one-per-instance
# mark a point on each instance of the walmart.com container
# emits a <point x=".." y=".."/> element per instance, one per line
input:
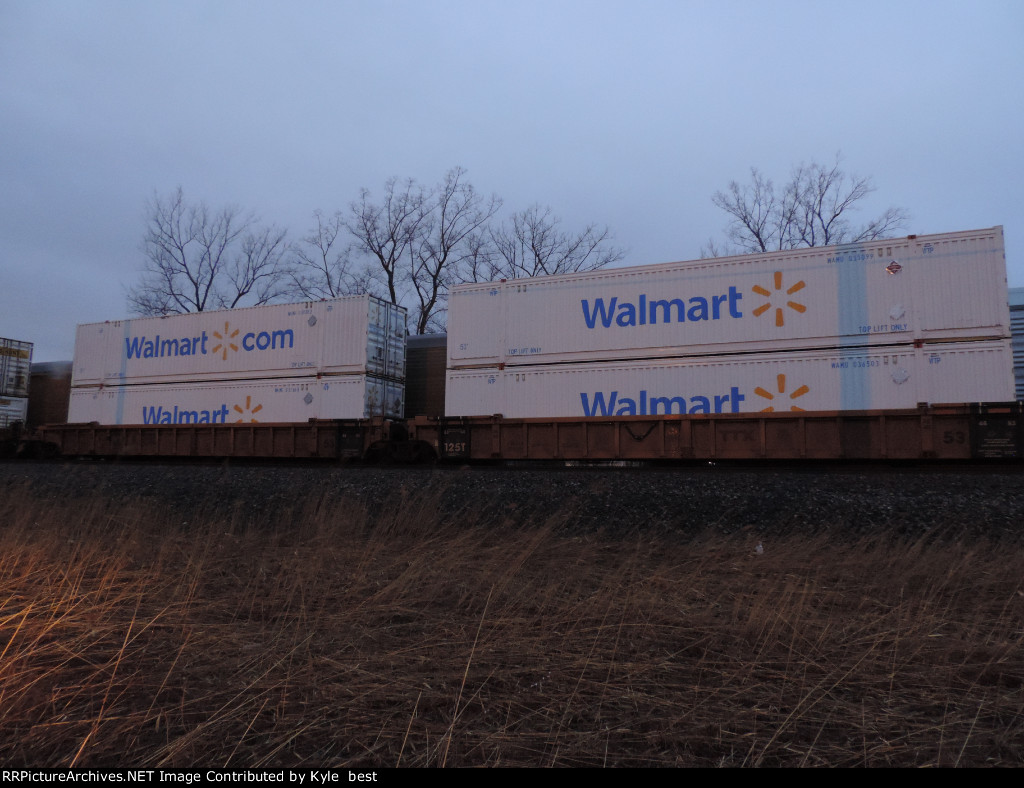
<point x="946" y="287"/>
<point x="344" y="336"/>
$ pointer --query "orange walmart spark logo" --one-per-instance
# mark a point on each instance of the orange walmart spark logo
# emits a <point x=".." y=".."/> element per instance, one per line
<point x="225" y="341"/>
<point x="780" y="318"/>
<point x="249" y="411"/>
<point x="781" y="384"/>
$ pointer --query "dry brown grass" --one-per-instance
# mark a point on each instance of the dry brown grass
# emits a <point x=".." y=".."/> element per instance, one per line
<point x="343" y="637"/>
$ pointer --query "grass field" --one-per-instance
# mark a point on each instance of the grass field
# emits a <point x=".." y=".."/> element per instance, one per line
<point x="338" y="636"/>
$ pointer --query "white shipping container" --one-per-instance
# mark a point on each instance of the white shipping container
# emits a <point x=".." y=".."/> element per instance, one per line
<point x="15" y="367"/>
<point x="354" y="335"/>
<point x="281" y="400"/>
<point x="843" y="379"/>
<point x="935" y="287"/>
<point x="13" y="409"/>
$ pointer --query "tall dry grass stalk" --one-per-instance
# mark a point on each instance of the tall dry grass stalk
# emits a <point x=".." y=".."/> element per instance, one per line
<point x="335" y="635"/>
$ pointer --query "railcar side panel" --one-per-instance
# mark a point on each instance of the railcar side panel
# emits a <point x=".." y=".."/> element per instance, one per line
<point x="314" y="440"/>
<point x="915" y="434"/>
<point x="848" y="379"/>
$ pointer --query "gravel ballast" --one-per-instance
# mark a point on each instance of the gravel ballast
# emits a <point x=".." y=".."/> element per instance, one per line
<point x="678" y="501"/>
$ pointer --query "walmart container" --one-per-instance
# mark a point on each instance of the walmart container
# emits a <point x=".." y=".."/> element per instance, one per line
<point x="355" y="335"/>
<point x="846" y="379"/>
<point x="224" y="402"/>
<point x="937" y="287"/>
<point x="15" y="367"/>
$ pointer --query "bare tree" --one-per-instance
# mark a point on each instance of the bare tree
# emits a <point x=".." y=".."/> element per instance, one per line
<point x="322" y="266"/>
<point x="255" y="274"/>
<point x="448" y="240"/>
<point x="811" y="209"/>
<point x="388" y="230"/>
<point x="422" y="241"/>
<point x="197" y="259"/>
<point x="480" y="259"/>
<point x="532" y="243"/>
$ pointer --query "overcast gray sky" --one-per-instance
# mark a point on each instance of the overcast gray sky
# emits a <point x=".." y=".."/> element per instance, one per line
<point x="630" y="114"/>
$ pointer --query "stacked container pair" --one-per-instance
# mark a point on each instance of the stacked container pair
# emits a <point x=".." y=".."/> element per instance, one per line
<point x="337" y="359"/>
<point x="15" y="368"/>
<point x="871" y="326"/>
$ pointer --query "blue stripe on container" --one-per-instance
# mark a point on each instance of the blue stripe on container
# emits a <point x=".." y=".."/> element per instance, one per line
<point x="121" y="391"/>
<point x="852" y="300"/>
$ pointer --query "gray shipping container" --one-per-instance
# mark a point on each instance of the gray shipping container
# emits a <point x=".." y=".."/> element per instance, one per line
<point x="15" y="367"/>
<point x="13" y="409"/>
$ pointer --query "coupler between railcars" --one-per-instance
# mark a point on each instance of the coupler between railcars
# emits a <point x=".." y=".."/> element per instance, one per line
<point x="397" y="447"/>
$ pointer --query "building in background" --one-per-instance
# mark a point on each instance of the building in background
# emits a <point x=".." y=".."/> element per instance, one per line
<point x="1017" y="331"/>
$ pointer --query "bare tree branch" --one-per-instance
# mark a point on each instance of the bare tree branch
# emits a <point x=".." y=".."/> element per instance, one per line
<point x="198" y="260"/>
<point x="322" y="266"/>
<point x="256" y="269"/>
<point x="532" y="243"/>
<point x="456" y="211"/>
<point x="386" y="231"/>
<point x="423" y="241"/>
<point x="754" y="227"/>
<point x="813" y="209"/>
<point x="481" y="259"/>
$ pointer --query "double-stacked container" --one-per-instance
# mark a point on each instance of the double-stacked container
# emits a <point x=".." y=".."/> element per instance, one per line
<point x="878" y="325"/>
<point x="15" y="370"/>
<point x="337" y="359"/>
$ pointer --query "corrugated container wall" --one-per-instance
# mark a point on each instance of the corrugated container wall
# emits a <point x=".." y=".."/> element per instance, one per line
<point x="15" y="367"/>
<point x="13" y="409"/>
<point x="945" y="287"/>
<point x="426" y="356"/>
<point x="51" y="391"/>
<point x="354" y="335"/>
<point x="843" y="379"/>
<point x="225" y="402"/>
